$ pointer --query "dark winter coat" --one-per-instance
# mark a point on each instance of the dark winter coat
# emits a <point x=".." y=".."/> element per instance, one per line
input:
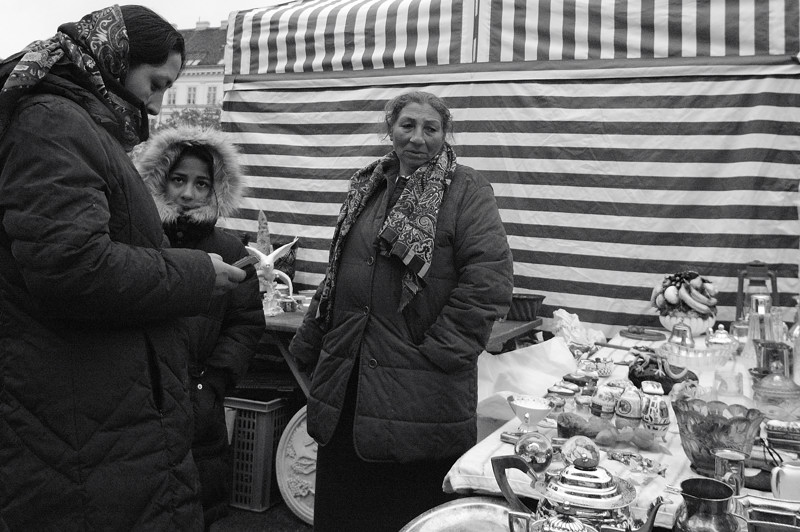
<point x="95" y="424"/>
<point x="223" y="339"/>
<point x="417" y="370"/>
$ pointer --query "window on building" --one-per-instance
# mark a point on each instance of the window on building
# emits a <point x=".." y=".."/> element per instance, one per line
<point x="172" y="96"/>
<point x="212" y="95"/>
<point x="191" y="95"/>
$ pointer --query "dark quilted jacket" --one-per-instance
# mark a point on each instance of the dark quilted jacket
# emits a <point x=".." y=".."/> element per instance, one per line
<point x="223" y="339"/>
<point x="417" y="372"/>
<point x="95" y="419"/>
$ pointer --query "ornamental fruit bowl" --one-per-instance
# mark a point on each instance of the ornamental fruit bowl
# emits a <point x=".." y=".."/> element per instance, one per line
<point x="698" y="325"/>
<point x="685" y="294"/>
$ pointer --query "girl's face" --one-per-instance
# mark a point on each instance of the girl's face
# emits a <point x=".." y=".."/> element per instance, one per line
<point x="189" y="183"/>
<point x="150" y="82"/>
<point x="417" y="136"/>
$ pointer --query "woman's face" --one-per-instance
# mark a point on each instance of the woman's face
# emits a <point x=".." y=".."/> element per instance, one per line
<point x="150" y="82"/>
<point x="189" y="183"/>
<point x="417" y="136"/>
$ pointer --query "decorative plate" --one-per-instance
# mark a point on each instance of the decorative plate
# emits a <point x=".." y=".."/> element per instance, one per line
<point x="296" y="467"/>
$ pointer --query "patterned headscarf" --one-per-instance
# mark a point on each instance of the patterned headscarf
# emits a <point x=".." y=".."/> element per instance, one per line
<point x="409" y="229"/>
<point x="98" y="45"/>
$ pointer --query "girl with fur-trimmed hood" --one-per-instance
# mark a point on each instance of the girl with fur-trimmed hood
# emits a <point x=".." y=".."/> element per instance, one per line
<point x="194" y="178"/>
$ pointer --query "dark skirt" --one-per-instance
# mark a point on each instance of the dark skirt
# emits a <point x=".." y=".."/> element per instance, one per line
<point x="353" y="495"/>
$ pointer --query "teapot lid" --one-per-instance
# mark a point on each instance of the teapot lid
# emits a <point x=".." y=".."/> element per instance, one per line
<point x="594" y="488"/>
<point x="720" y="337"/>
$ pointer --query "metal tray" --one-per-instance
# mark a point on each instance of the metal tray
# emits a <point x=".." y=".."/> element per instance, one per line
<point x="469" y="514"/>
<point x="765" y="514"/>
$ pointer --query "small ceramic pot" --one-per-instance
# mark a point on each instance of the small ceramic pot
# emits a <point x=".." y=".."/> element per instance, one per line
<point x="655" y="408"/>
<point x="786" y="481"/>
<point x="629" y="409"/>
<point x="604" y="402"/>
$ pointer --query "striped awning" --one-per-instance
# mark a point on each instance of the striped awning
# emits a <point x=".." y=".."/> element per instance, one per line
<point x="353" y="35"/>
<point x="609" y="171"/>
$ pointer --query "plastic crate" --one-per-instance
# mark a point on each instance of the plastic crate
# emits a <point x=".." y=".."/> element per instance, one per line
<point x="257" y="430"/>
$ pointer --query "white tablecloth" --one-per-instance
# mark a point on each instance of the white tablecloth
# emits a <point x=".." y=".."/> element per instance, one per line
<point x="472" y="473"/>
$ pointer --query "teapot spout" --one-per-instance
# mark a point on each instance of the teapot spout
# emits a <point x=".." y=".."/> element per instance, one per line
<point x="647" y="526"/>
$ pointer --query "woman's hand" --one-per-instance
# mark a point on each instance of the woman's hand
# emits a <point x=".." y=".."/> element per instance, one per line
<point x="228" y="277"/>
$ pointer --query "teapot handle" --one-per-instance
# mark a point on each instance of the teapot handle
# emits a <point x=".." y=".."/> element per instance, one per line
<point x="499" y="465"/>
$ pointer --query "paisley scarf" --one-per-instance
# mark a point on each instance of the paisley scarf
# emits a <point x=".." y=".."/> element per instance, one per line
<point x="409" y="229"/>
<point x="98" y="45"/>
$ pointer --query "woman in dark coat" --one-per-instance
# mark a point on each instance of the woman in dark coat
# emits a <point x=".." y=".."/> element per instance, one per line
<point x="419" y="270"/>
<point x="194" y="177"/>
<point x="95" y="418"/>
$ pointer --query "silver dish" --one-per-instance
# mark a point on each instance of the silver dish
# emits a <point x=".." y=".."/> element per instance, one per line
<point x="470" y="514"/>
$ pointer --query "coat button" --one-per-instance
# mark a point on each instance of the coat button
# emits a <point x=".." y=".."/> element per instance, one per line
<point x="372" y="363"/>
<point x="179" y="234"/>
<point x="366" y="310"/>
<point x="199" y="386"/>
<point x="371" y="261"/>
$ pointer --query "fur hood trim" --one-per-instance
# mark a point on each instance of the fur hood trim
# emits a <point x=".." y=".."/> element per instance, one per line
<point x="161" y="152"/>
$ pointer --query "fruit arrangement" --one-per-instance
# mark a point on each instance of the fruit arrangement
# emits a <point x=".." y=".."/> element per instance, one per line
<point x="685" y="292"/>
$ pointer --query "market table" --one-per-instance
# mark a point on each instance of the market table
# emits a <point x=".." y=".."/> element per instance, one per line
<point x="472" y="474"/>
<point x="282" y="327"/>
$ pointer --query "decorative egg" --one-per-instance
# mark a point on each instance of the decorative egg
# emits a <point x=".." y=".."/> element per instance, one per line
<point x="581" y="449"/>
<point x="536" y="449"/>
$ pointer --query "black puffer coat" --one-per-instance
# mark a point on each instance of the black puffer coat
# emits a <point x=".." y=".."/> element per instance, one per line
<point x="95" y="419"/>
<point x="223" y="339"/>
<point x="417" y="370"/>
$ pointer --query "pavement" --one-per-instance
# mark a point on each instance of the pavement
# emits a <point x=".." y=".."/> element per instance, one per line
<point x="278" y="518"/>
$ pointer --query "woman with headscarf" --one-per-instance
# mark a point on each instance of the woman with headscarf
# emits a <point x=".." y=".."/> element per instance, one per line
<point x="194" y="177"/>
<point x="419" y="270"/>
<point x="95" y="419"/>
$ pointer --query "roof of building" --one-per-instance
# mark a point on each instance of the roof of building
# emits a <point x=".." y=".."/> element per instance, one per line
<point x="204" y="45"/>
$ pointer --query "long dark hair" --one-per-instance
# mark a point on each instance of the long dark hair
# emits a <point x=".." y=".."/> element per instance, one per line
<point x="151" y="37"/>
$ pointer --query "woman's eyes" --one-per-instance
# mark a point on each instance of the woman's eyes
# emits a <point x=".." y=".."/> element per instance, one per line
<point x="180" y="181"/>
<point x="428" y="129"/>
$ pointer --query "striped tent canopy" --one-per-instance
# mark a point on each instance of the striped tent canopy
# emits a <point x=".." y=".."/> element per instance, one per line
<point x="625" y="140"/>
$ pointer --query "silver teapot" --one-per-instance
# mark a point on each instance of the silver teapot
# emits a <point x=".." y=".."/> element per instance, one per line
<point x="582" y="490"/>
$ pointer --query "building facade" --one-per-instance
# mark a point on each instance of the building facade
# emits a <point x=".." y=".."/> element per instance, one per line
<point x="200" y="85"/>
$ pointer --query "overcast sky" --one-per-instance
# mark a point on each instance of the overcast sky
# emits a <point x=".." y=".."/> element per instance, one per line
<point x="23" y="21"/>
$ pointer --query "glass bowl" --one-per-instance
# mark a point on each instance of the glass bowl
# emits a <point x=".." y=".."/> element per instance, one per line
<point x="530" y="410"/>
<point x="695" y="358"/>
<point x="705" y="427"/>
